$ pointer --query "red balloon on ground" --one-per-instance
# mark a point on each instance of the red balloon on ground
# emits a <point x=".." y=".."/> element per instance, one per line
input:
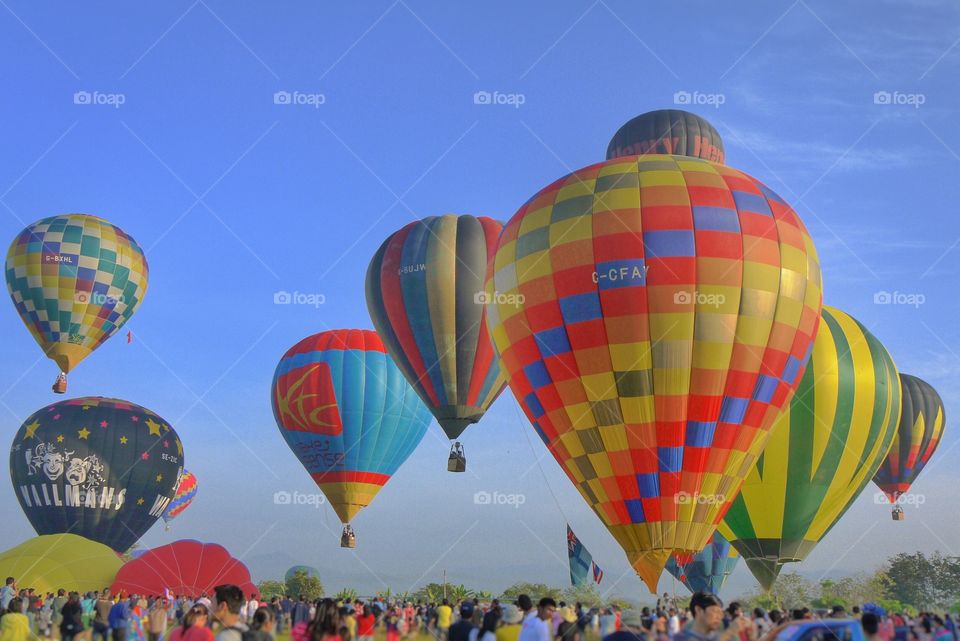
<point x="184" y="567"/>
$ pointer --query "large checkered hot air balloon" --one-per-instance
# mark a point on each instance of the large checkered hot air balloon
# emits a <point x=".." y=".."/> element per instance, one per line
<point x="75" y="279"/>
<point x="348" y="414"/>
<point x="918" y="435"/>
<point x="823" y="449"/>
<point x="425" y="294"/>
<point x="654" y="315"/>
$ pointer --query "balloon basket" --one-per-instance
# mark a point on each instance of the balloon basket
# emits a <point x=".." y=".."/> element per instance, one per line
<point x="897" y="513"/>
<point x="60" y="385"/>
<point x="348" y="539"/>
<point x="457" y="461"/>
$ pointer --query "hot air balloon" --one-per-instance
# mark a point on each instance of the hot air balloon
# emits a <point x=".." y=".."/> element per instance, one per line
<point x="822" y="452"/>
<point x="61" y="561"/>
<point x="425" y="294"/>
<point x="306" y="569"/>
<point x="182" y="497"/>
<point x="707" y="570"/>
<point x="349" y="416"/>
<point x="666" y="310"/>
<point x="102" y="468"/>
<point x="667" y="131"/>
<point x="75" y="279"/>
<point x="918" y="435"/>
<point x="186" y="567"/>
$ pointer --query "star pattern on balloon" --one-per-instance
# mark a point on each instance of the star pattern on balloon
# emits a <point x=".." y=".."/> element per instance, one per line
<point x="134" y="418"/>
<point x="31" y="430"/>
<point x="103" y="423"/>
<point x="140" y="501"/>
<point x="145" y="456"/>
<point x="153" y="426"/>
<point x="60" y="438"/>
<point x="159" y="477"/>
<point x="123" y="440"/>
<point x="83" y="433"/>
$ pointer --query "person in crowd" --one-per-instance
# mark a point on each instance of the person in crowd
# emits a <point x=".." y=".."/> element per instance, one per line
<point x="325" y="625"/>
<point x="510" y="621"/>
<point x="70" y="620"/>
<point x="119" y="618"/>
<point x="392" y="620"/>
<point x="157" y="619"/>
<point x="263" y="625"/>
<point x="300" y="613"/>
<point x="252" y="606"/>
<point x="14" y="625"/>
<point x="286" y="610"/>
<point x="7" y="593"/>
<point x="608" y="622"/>
<point x="464" y="629"/>
<point x="490" y="621"/>
<point x="568" y="629"/>
<point x="56" y="606"/>
<point x="194" y="625"/>
<point x="366" y="622"/>
<point x="228" y="600"/>
<point x="633" y="628"/>
<point x="348" y="621"/>
<point x="870" y="623"/>
<point x="101" y="616"/>
<point x="538" y="627"/>
<point x="86" y="607"/>
<point x="444" y="616"/>
<point x="707" y="611"/>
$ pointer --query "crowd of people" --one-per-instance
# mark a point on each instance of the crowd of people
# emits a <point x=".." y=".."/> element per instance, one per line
<point x="230" y="615"/>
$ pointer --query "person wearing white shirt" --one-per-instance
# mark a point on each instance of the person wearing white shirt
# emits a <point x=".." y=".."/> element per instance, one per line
<point x="673" y="623"/>
<point x="538" y="627"/>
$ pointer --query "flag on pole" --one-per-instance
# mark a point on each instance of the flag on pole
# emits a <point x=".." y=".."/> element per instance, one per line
<point x="580" y="559"/>
<point x="597" y="574"/>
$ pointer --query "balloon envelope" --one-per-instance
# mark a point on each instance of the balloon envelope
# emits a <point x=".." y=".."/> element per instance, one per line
<point x="75" y="279"/>
<point x="654" y="314"/>
<point x="183" y="496"/>
<point x="667" y="131"/>
<point x="425" y="295"/>
<point x="307" y="569"/>
<point x="186" y="568"/>
<point x="347" y="413"/>
<point x="707" y="570"/>
<point x="822" y="452"/>
<point x="53" y="561"/>
<point x="102" y="468"/>
<point x="918" y="434"/>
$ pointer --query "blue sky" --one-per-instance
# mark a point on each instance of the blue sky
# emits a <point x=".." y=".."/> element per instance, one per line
<point x="234" y="198"/>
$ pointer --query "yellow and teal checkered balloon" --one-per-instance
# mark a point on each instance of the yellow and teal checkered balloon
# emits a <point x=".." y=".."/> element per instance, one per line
<point x="75" y="279"/>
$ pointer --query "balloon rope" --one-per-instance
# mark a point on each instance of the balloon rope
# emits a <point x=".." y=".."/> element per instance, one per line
<point x="537" y="459"/>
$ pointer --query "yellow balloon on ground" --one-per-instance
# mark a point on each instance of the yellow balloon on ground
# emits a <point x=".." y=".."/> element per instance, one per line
<point x="53" y="561"/>
<point x="823" y="450"/>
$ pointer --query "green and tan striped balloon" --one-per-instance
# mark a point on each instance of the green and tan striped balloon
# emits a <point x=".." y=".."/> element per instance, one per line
<point x="823" y="449"/>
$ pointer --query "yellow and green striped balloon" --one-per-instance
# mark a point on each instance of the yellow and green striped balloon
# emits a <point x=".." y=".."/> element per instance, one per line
<point x="823" y="450"/>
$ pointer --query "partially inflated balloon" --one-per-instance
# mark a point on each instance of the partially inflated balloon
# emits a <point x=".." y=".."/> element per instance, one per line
<point x="309" y="570"/>
<point x="75" y="279"/>
<point x="918" y="435"/>
<point x="98" y="467"/>
<point x="822" y="452"/>
<point x="186" y="567"/>
<point x="425" y="294"/>
<point x="347" y="413"/>
<point x="654" y="315"/>
<point x="61" y="561"/>
<point x="707" y="570"/>
<point x="667" y="131"/>
<point x="182" y="498"/>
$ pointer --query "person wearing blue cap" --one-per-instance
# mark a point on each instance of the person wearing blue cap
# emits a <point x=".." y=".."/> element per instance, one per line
<point x="464" y="629"/>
